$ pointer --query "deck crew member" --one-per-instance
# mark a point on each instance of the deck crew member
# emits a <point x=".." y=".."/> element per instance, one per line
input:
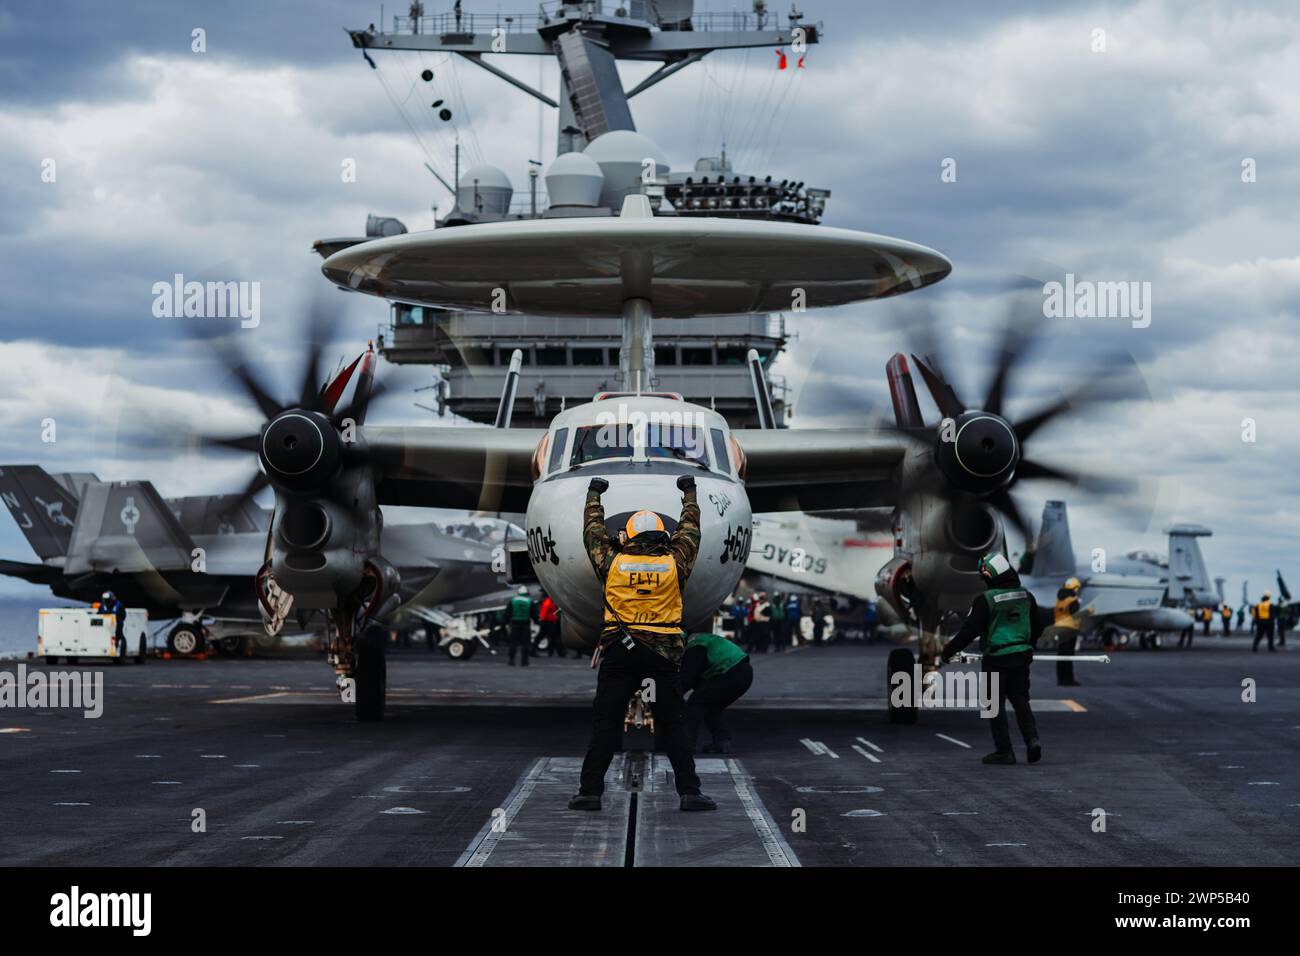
<point x="1226" y="613"/>
<point x="1007" y="621"/>
<point x="643" y="581"/>
<point x="716" y="672"/>
<point x="521" y="631"/>
<point x="1066" y="618"/>
<point x="1263" y="622"/>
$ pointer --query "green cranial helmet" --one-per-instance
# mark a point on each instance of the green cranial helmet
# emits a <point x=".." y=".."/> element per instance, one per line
<point x="992" y="565"/>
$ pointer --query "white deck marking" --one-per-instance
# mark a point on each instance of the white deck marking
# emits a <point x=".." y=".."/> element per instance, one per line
<point x="872" y="757"/>
<point x="481" y="848"/>
<point x="867" y="743"/>
<point x="65" y="771"/>
<point x="778" y="851"/>
<point x="1006" y="844"/>
<point x="862" y="813"/>
<point x="71" y="804"/>
<point x="812" y="747"/>
<point x="402" y="811"/>
<point x="954" y="740"/>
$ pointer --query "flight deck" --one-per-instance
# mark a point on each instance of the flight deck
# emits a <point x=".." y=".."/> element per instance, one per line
<point x="475" y="761"/>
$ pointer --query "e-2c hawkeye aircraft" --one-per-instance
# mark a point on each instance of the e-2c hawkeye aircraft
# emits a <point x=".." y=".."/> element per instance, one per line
<point x="331" y="472"/>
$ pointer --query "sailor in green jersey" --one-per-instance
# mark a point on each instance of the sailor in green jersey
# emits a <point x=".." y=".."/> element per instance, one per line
<point x="718" y="673"/>
<point x="1008" y="622"/>
<point x="521" y="630"/>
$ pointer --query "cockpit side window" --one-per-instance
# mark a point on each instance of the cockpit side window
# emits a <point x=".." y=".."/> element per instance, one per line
<point x="557" y="451"/>
<point x="721" y="458"/>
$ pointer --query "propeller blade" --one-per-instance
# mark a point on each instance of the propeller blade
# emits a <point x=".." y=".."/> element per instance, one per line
<point x="265" y="403"/>
<point x="255" y="484"/>
<point x="310" y="391"/>
<point x="1021" y="326"/>
<point x="1117" y="379"/>
<point x="359" y="407"/>
<point x="950" y="406"/>
<point x="1097" y="484"/>
<point x="251" y="443"/>
<point x="1005" y="504"/>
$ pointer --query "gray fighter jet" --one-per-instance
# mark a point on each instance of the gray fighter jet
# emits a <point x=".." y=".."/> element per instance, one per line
<point x="192" y="557"/>
<point x="1142" y="591"/>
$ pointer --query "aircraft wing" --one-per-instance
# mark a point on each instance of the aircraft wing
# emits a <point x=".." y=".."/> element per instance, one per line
<point x="818" y="469"/>
<point x="486" y="469"/>
<point x="35" y="573"/>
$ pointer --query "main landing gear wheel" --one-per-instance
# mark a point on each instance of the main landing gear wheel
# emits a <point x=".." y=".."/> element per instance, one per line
<point x="185" y="639"/>
<point x="459" y="650"/>
<point x="900" y="661"/>
<point x="370" y="671"/>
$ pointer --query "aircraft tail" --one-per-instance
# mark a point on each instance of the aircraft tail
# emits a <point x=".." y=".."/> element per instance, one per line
<point x="44" y="510"/>
<point x="125" y="526"/>
<point x="1188" y="578"/>
<point x="1053" y="549"/>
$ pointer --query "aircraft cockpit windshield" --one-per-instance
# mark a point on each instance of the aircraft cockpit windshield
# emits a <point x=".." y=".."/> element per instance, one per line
<point x="653" y="441"/>
<point x="678" y="442"/>
<point x="600" y="442"/>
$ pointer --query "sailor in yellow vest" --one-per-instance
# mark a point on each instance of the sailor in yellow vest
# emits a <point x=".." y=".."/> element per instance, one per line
<point x="1066" y="620"/>
<point x="642" y="637"/>
<point x="1263" y="622"/>
<point x="1225" y="612"/>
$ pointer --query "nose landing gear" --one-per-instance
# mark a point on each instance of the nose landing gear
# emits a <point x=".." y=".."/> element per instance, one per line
<point x="638" y="742"/>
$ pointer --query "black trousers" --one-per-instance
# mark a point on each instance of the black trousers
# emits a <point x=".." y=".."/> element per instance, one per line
<point x="1067" y="642"/>
<point x="1013" y="688"/>
<point x="521" y="639"/>
<point x="1264" y="628"/>
<point x="713" y="697"/>
<point x="622" y="672"/>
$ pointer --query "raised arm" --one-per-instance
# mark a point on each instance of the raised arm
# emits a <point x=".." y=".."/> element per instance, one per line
<point x="595" y="536"/>
<point x="685" y="543"/>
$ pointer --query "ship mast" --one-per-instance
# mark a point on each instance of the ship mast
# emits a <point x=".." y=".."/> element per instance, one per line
<point x="587" y="39"/>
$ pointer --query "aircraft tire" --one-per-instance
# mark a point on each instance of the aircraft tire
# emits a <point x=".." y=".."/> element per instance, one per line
<point x="900" y="660"/>
<point x="370" y="671"/>
<point x="185" y="640"/>
<point x="459" y="650"/>
<point x="140" y="650"/>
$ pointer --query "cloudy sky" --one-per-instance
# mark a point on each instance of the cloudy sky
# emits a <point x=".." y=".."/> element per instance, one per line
<point x="1118" y="164"/>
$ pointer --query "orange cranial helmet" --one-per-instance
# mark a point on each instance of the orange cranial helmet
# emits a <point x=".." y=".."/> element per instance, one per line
<point x="643" y="521"/>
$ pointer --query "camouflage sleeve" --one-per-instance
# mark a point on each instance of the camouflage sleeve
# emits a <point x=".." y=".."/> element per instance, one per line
<point x="685" y="544"/>
<point x="595" y="536"/>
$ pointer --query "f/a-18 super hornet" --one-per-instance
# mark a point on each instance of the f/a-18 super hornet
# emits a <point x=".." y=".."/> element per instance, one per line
<point x="197" y="558"/>
<point x="1141" y="591"/>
